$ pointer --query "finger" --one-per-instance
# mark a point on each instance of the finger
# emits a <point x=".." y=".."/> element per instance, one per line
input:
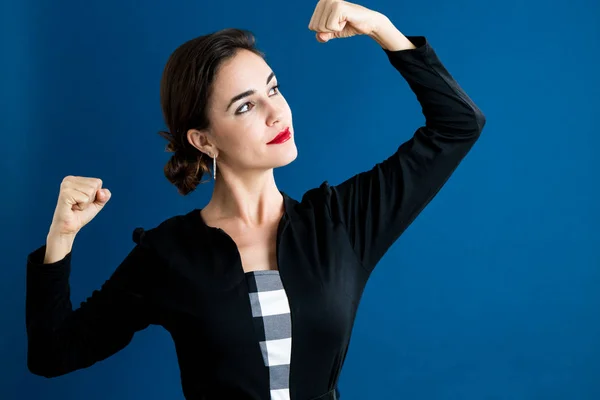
<point x="90" y="188"/>
<point x="90" y="212"/>
<point x="82" y="180"/>
<point x="77" y="199"/>
<point x="334" y="18"/>
<point x="314" y="20"/>
<point x="95" y="183"/>
<point x="323" y="17"/>
<point x="86" y="185"/>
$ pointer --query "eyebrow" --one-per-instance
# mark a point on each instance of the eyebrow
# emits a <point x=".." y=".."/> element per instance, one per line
<point x="247" y="92"/>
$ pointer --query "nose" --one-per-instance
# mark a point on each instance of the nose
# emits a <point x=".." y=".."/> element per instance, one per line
<point x="274" y="114"/>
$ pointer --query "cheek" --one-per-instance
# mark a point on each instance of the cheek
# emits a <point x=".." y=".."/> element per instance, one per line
<point x="244" y="136"/>
<point x="247" y="134"/>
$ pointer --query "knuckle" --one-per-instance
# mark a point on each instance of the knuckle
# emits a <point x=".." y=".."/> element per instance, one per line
<point x="337" y="8"/>
<point x="66" y="180"/>
<point x="95" y="183"/>
<point x="81" y="197"/>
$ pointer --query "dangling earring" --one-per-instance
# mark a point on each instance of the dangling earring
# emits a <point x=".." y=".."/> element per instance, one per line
<point x="215" y="167"/>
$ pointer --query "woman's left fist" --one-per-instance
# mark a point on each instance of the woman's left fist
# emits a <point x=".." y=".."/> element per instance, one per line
<point x="334" y="19"/>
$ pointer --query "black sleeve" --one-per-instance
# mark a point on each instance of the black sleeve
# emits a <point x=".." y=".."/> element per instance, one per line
<point x="60" y="339"/>
<point x="376" y="206"/>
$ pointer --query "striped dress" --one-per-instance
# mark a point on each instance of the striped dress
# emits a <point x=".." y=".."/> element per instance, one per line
<point x="271" y="315"/>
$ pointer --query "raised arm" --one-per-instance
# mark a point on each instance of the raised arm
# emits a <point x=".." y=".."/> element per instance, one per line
<point x="376" y="206"/>
<point x="62" y="339"/>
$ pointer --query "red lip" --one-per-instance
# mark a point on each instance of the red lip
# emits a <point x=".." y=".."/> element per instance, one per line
<point x="283" y="136"/>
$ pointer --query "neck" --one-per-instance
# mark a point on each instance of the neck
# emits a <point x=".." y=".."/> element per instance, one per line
<point x="251" y="198"/>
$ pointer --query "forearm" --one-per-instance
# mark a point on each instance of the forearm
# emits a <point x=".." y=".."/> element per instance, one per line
<point x="57" y="247"/>
<point x="389" y="37"/>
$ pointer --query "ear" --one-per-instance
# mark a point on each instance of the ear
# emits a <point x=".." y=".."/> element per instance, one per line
<point x="202" y="140"/>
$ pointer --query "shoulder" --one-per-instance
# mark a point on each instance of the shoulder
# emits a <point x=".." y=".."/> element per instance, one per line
<point x="318" y="202"/>
<point x="169" y="233"/>
<point x="325" y="196"/>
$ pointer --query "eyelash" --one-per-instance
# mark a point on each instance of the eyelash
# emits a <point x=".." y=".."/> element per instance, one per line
<point x="238" y="112"/>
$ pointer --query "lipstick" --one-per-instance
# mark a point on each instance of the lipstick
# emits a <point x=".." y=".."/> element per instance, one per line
<point x="282" y="137"/>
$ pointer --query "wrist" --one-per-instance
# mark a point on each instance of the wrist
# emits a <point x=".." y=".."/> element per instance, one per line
<point x="55" y="235"/>
<point x="388" y="36"/>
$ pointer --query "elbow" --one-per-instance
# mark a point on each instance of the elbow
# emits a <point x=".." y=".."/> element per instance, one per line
<point x="478" y="122"/>
<point x="41" y="368"/>
<point x="40" y="362"/>
<point x="472" y="127"/>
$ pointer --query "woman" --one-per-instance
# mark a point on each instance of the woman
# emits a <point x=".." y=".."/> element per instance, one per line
<point x="258" y="291"/>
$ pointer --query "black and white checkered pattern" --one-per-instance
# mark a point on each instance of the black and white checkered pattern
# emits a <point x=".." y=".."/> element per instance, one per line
<point x="271" y="312"/>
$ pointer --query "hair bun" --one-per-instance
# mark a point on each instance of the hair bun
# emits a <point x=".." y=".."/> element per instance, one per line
<point x="172" y="145"/>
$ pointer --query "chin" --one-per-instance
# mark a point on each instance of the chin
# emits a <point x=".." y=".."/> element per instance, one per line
<point x="286" y="155"/>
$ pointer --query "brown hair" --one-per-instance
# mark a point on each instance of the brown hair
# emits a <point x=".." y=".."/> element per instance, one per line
<point x="185" y="91"/>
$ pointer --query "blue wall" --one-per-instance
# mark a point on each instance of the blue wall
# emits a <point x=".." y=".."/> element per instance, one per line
<point x="493" y="293"/>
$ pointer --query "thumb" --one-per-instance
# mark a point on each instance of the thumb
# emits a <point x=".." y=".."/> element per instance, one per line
<point x="88" y="213"/>
<point x="324" y="37"/>
<point x="102" y="197"/>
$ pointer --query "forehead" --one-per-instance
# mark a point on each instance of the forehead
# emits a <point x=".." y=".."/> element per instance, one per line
<point x="243" y="71"/>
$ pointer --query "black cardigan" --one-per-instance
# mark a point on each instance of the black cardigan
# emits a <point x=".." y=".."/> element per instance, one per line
<point x="187" y="277"/>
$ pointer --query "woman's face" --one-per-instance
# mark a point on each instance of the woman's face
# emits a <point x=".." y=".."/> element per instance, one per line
<point x="246" y="112"/>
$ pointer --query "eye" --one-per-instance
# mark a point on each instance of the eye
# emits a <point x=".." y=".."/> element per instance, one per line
<point x="276" y="87"/>
<point x="242" y="109"/>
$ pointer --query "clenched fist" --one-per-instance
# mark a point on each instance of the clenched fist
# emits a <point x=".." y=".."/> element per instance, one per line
<point x="79" y="201"/>
<point x="333" y="19"/>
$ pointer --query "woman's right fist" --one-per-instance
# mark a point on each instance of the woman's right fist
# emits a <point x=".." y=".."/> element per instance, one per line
<point x="79" y="201"/>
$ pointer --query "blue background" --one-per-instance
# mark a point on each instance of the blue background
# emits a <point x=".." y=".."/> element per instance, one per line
<point x="492" y="293"/>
